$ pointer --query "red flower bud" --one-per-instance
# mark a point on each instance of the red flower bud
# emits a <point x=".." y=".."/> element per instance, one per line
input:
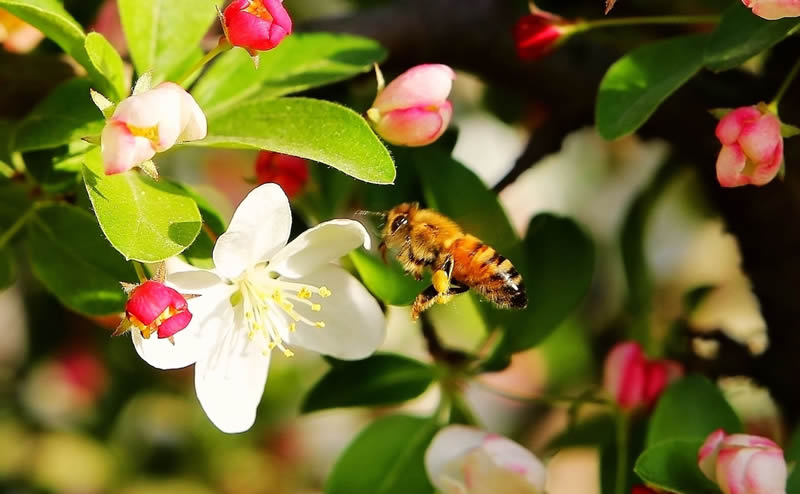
<point x="256" y="25"/>
<point x="290" y="172"/>
<point x="632" y="380"/>
<point x="752" y="147"/>
<point x="155" y="307"/>
<point x="536" y="35"/>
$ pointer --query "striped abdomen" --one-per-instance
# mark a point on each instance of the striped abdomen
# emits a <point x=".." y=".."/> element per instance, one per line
<point x="483" y="269"/>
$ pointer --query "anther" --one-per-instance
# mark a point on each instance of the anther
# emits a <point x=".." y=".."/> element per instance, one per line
<point x="324" y="292"/>
<point x="288" y="352"/>
<point x="304" y="293"/>
<point x="320" y="324"/>
<point x="316" y="307"/>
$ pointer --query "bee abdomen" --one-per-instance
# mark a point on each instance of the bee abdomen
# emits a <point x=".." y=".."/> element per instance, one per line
<point x="493" y="276"/>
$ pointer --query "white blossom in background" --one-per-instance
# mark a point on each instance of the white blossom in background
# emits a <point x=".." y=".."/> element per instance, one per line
<point x="263" y="295"/>
<point x="466" y="460"/>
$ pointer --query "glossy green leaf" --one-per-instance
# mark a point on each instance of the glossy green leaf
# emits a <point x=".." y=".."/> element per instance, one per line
<point x="50" y="17"/>
<point x="8" y="267"/>
<point x="74" y="262"/>
<point x="67" y="114"/>
<point x="387" y="282"/>
<point x="58" y="169"/>
<point x="160" y="33"/>
<point x="557" y="268"/>
<point x="741" y="35"/>
<point x="300" y="62"/>
<point x="383" y="379"/>
<point x="107" y="62"/>
<point x="313" y="129"/>
<point x="386" y="458"/>
<point x="694" y="397"/>
<point x="671" y="465"/>
<point x="143" y="219"/>
<point x="14" y="202"/>
<point x="640" y="81"/>
<point x="57" y="24"/>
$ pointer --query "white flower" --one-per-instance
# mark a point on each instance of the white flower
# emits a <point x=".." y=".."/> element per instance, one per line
<point x="148" y="123"/>
<point x="263" y="295"/>
<point x="465" y="460"/>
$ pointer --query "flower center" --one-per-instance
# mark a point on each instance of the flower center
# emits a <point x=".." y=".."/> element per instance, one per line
<point x="270" y="308"/>
<point x="146" y="329"/>
<point x="149" y="133"/>
<point x="258" y="9"/>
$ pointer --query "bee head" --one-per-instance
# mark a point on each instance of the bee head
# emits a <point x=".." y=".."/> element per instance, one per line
<point x="397" y="218"/>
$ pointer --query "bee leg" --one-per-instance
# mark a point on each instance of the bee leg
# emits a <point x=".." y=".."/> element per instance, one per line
<point x="441" y="280"/>
<point x="455" y="289"/>
<point x="424" y="301"/>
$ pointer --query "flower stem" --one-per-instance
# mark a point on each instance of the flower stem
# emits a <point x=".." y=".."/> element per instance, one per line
<point x="545" y="398"/>
<point x="620" y="482"/>
<point x="223" y="46"/>
<point x="633" y="21"/>
<point x="17" y="225"/>
<point x="784" y="86"/>
<point x="139" y="271"/>
<point x="6" y="170"/>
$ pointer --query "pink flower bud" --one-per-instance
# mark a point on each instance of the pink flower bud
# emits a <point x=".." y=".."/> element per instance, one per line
<point x="413" y="109"/>
<point x="290" y="172"/>
<point x="773" y="9"/>
<point x="147" y="123"/>
<point x="155" y="307"/>
<point x="632" y="380"/>
<point x="537" y="34"/>
<point x="743" y="464"/>
<point x="256" y="25"/>
<point x="752" y="147"/>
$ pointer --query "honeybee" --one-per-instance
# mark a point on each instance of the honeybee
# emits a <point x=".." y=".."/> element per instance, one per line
<point x="425" y="238"/>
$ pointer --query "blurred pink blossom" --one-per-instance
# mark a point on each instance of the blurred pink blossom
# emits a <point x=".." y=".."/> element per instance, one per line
<point x="632" y="380"/>
<point x="743" y="464"/>
<point x="774" y="9"/>
<point x="752" y="147"/>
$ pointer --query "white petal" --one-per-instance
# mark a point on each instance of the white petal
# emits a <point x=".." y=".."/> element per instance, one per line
<point x="260" y="226"/>
<point x="210" y="313"/>
<point x="122" y="150"/>
<point x="161" y="106"/>
<point x="196" y="281"/>
<point x="450" y="445"/>
<point x="354" y="323"/>
<point x="230" y="381"/>
<point x="318" y="246"/>
<point x="193" y="120"/>
<point x="509" y="455"/>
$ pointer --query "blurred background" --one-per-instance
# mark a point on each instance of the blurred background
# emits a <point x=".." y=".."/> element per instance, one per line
<point x="80" y="412"/>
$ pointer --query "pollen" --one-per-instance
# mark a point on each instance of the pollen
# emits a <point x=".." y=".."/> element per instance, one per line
<point x="257" y="8"/>
<point x="149" y="133"/>
<point x="324" y="292"/>
<point x="304" y="293"/>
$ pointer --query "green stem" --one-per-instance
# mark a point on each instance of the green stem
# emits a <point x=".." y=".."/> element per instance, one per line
<point x="139" y="271"/>
<point x="634" y="21"/>
<point x="223" y="46"/>
<point x="620" y="482"/>
<point x="773" y="106"/>
<point x="17" y="225"/>
<point x="459" y="403"/>
<point x="544" y="398"/>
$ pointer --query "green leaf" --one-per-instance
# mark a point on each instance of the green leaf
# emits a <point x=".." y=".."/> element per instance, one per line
<point x="14" y="202"/>
<point x="211" y="216"/>
<point x="386" y="458"/>
<point x="740" y="35"/>
<point x="788" y="130"/>
<point x="50" y="17"/>
<point x="792" y="452"/>
<point x="389" y="283"/>
<point x="57" y="24"/>
<point x="65" y="115"/>
<point x="143" y="219"/>
<point x="107" y="62"/>
<point x="74" y="262"/>
<point x="671" y="465"/>
<point x="300" y="62"/>
<point x="312" y="129"/>
<point x="8" y="268"/>
<point x="639" y="82"/>
<point x="58" y="169"/>
<point x="160" y="32"/>
<point x="694" y="397"/>
<point x="383" y="379"/>
<point x="557" y="269"/>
